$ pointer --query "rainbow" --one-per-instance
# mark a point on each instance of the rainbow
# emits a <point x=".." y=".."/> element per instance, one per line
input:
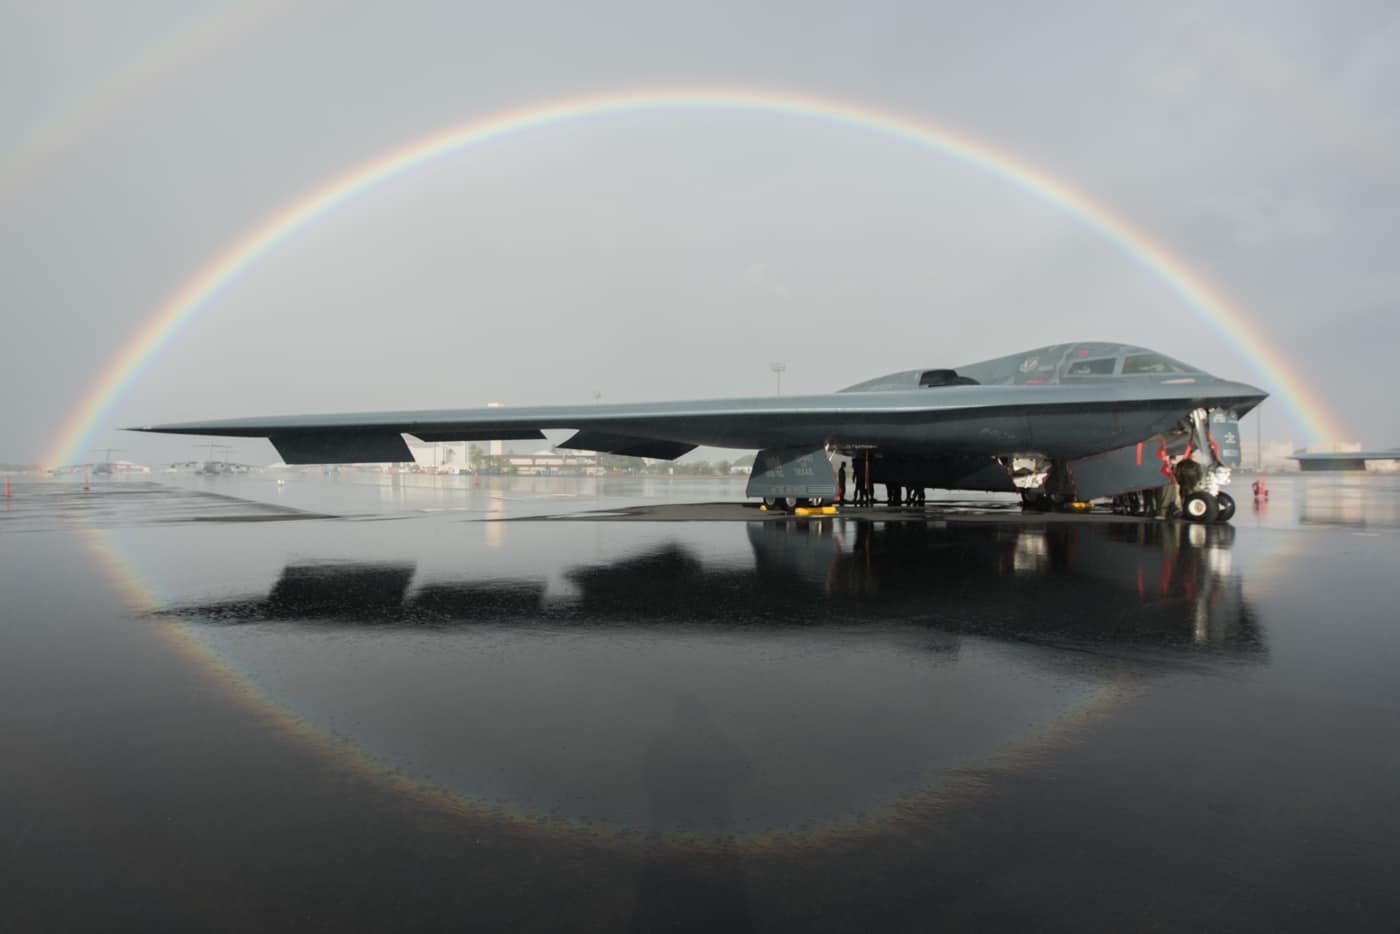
<point x="1233" y="324"/>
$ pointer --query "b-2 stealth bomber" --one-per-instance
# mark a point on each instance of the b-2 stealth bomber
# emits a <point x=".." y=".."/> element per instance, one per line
<point x="1068" y="422"/>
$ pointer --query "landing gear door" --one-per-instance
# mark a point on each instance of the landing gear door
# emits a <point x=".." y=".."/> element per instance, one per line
<point x="1225" y="432"/>
<point x="804" y="473"/>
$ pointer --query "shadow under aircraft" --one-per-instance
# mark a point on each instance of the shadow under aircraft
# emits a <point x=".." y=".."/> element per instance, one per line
<point x="1145" y="584"/>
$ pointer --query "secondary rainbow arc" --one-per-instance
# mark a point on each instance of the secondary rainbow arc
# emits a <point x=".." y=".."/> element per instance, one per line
<point x="200" y="289"/>
<point x="61" y="131"/>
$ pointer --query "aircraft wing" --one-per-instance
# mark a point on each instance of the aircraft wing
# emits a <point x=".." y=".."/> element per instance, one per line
<point x="1059" y="421"/>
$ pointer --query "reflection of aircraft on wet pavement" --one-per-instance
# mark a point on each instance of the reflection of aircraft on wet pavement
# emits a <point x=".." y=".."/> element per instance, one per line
<point x="1059" y="423"/>
<point x="1155" y="583"/>
<point x="785" y="675"/>
<point x="1138" y="583"/>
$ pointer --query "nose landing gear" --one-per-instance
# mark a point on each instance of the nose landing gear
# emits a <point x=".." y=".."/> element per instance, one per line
<point x="1208" y="502"/>
<point x="1201" y="506"/>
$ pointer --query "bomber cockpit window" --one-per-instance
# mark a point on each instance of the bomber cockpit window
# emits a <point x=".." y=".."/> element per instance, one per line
<point x="1152" y="363"/>
<point x="933" y="378"/>
<point x="1100" y="367"/>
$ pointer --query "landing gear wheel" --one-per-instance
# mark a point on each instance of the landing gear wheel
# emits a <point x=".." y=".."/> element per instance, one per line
<point x="1199" y="507"/>
<point x="785" y="503"/>
<point x="1034" y="501"/>
<point x="1225" y="507"/>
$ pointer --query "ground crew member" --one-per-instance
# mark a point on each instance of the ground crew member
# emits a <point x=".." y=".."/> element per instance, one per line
<point x="841" y="483"/>
<point x="1170" y="497"/>
<point x="1188" y="476"/>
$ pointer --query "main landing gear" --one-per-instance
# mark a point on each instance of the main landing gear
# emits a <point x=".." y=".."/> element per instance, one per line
<point x="789" y="503"/>
<point x="1040" y="501"/>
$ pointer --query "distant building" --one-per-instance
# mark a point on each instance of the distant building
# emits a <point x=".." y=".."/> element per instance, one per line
<point x="118" y="467"/>
<point x="497" y="446"/>
<point x="1275" y="457"/>
<point x="441" y="456"/>
<point x="1374" y="461"/>
<point x="1278" y="455"/>
<point x="545" y="463"/>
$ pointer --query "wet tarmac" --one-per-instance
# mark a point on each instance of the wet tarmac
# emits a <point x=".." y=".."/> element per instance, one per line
<point x="359" y="701"/>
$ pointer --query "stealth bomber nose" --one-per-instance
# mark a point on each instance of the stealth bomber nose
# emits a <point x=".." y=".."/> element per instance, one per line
<point x="1239" y="398"/>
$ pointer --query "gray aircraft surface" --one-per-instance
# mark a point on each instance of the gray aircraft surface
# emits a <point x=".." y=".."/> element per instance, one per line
<point x="1065" y="422"/>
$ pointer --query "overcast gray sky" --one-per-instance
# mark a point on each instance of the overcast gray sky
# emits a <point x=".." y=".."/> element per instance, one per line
<point x="674" y="254"/>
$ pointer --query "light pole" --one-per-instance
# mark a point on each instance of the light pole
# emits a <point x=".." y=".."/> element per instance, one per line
<point x="1259" y="441"/>
<point x="778" y="367"/>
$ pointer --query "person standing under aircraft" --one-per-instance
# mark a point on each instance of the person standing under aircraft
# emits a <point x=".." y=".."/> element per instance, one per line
<point x="1188" y="475"/>
<point x="841" y="483"/>
<point x="1169" y="498"/>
